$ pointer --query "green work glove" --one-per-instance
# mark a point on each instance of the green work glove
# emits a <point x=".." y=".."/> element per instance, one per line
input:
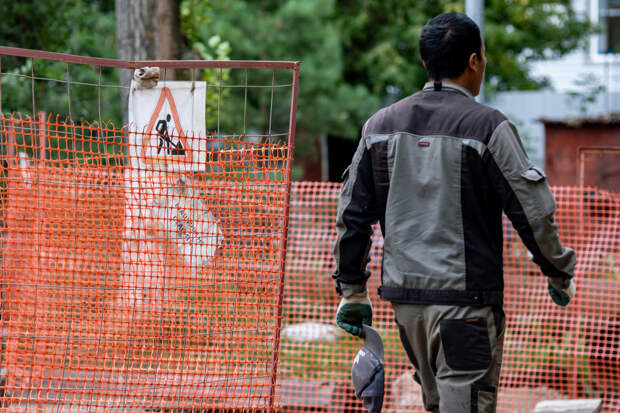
<point x="560" y="291"/>
<point x="354" y="311"/>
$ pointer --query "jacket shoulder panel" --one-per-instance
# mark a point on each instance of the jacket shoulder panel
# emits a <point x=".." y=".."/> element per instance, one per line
<point x="437" y="113"/>
<point x="385" y="120"/>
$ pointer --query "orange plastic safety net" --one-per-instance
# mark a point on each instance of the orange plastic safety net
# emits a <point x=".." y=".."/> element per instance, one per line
<point x="139" y="290"/>
<point x="550" y="352"/>
<point x="142" y="288"/>
<point x="105" y="308"/>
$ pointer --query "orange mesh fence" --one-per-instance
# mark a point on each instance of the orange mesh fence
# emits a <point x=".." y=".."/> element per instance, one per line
<point x="139" y="289"/>
<point x="150" y="287"/>
<point x="106" y="308"/>
<point x="550" y="352"/>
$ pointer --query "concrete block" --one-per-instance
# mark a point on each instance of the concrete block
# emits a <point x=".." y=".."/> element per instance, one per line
<point x="569" y="406"/>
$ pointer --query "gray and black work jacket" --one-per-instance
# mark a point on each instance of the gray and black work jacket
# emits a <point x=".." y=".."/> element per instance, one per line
<point x="437" y="169"/>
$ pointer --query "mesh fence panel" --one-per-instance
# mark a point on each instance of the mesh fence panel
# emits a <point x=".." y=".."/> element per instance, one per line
<point x="550" y="352"/>
<point x="148" y="288"/>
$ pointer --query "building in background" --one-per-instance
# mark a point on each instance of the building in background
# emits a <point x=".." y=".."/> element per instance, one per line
<point x="583" y="152"/>
<point x="585" y="84"/>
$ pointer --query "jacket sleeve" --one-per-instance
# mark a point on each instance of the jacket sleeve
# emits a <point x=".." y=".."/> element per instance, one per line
<point x="356" y="214"/>
<point x="528" y="203"/>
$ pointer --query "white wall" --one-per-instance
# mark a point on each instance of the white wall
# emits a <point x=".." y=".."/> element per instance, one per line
<point x="526" y="108"/>
<point x="565" y="71"/>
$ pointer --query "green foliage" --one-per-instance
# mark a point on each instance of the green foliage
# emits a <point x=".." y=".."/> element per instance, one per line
<point x="358" y="55"/>
<point x="193" y="16"/>
<point x="292" y="30"/>
<point x="589" y="89"/>
<point x="73" y="26"/>
<point x="381" y="40"/>
<point x="66" y="26"/>
<point x="518" y="32"/>
<point x="40" y="24"/>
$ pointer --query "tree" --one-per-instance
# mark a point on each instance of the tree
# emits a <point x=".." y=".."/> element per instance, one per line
<point x="147" y="30"/>
<point x="381" y="40"/>
<point x="56" y="25"/>
<point x="291" y="30"/>
<point x="359" y="54"/>
<point x="71" y="26"/>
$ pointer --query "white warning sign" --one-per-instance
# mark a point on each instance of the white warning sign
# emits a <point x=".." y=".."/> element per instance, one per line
<point x="187" y="223"/>
<point x="167" y="126"/>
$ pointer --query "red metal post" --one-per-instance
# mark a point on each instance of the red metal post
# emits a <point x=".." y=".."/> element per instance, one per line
<point x="287" y="196"/>
<point x="42" y="136"/>
<point x="11" y="141"/>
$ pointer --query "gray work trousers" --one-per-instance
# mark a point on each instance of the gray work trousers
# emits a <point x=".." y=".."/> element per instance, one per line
<point x="456" y="352"/>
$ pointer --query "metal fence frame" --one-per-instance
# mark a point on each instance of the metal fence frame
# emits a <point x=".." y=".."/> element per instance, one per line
<point x="293" y="66"/>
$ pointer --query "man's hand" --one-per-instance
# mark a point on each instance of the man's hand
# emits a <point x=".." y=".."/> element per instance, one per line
<point x="354" y="311"/>
<point x="561" y="294"/>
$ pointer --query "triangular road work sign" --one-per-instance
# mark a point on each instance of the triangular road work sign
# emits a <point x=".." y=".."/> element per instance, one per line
<point x="175" y="152"/>
<point x="167" y="129"/>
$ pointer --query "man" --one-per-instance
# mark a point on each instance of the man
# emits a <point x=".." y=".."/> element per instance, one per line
<point x="437" y="169"/>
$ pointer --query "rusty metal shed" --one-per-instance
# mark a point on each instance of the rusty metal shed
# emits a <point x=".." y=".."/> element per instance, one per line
<point x="584" y="151"/>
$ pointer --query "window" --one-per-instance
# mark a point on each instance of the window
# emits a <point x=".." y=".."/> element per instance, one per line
<point x="609" y="20"/>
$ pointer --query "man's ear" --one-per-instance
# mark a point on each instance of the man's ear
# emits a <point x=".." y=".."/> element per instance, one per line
<point x="474" y="63"/>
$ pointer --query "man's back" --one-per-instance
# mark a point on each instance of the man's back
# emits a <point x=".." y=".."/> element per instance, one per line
<point x="440" y="214"/>
<point x="439" y="168"/>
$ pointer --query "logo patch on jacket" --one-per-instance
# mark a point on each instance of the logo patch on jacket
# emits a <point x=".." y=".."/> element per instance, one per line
<point x="424" y="144"/>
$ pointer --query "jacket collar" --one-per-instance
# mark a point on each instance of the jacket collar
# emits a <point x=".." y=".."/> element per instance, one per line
<point x="449" y="86"/>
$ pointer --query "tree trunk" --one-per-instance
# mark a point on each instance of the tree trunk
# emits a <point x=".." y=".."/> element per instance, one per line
<point x="169" y="37"/>
<point x="146" y="30"/>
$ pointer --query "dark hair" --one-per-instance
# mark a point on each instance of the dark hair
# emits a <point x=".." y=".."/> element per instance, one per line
<point x="446" y="42"/>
